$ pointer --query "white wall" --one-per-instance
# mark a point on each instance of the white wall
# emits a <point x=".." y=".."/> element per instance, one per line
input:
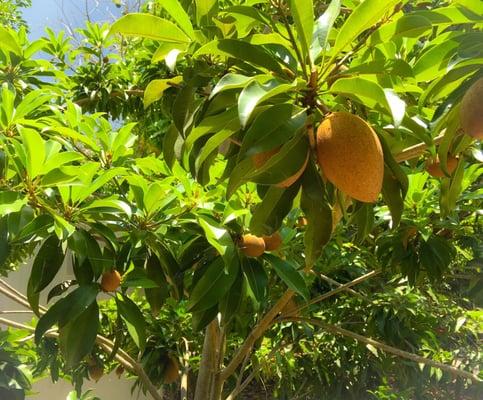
<point x="109" y="387"/>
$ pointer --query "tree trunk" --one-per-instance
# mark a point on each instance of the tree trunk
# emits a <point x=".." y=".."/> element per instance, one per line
<point x="208" y="364"/>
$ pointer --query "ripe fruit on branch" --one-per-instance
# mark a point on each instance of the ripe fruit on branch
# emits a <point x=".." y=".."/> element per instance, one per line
<point x="434" y="167"/>
<point x="350" y="156"/>
<point x="110" y="281"/>
<point x="171" y="370"/>
<point x="273" y="241"/>
<point x="95" y="372"/>
<point x="252" y="246"/>
<point x="471" y="111"/>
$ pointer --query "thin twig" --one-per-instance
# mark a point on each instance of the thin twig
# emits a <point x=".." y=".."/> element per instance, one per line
<point x="339" y="289"/>
<point x="388" y="349"/>
<point x="338" y="284"/>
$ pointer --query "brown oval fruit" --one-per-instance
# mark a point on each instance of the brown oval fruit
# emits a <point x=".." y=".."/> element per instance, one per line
<point x="273" y="241"/>
<point x="350" y="155"/>
<point x="119" y="371"/>
<point x="95" y="372"/>
<point x="434" y="167"/>
<point x="471" y="111"/>
<point x="110" y="281"/>
<point x="252" y="246"/>
<point x="260" y="159"/>
<point x="171" y="370"/>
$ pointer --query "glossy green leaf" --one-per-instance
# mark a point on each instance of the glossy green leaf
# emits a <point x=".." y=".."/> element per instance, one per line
<point x="134" y="320"/>
<point x="322" y="28"/>
<point x="233" y="300"/>
<point x="47" y="263"/>
<point x="67" y="309"/>
<point x="149" y="26"/>
<point x="11" y="202"/>
<point x="34" y="150"/>
<point x="256" y="277"/>
<point x="289" y="274"/>
<point x="219" y="238"/>
<point x="242" y="51"/>
<point x="407" y="26"/>
<point x="393" y="196"/>
<point x="215" y="282"/>
<point x="289" y="161"/>
<point x="255" y="93"/>
<point x="271" y="128"/>
<point x="230" y="81"/>
<point x="268" y="215"/>
<point x="8" y="42"/>
<point x="179" y="15"/>
<point x="77" y="338"/>
<point x="318" y="213"/>
<point x="363" y="217"/>
<point x="364" y="16"/>
<point x="396" y="106"/>
<point x="303" y="16"/>
<point x="205" y="9"/>
<point x="155" y="89"/>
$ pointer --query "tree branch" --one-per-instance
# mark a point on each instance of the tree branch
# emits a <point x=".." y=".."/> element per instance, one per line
<point x="255" y="334"/>
<point x="339" y="289"/>
<point x="388" y="349"/>
<point x="338" y="284"/>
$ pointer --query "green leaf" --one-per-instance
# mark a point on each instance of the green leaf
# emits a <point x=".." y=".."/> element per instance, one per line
<point x="8" y="42"/>
<point x="204" y="10"/>
<point x="230" y="81"/>
<point x="219" y="238"/>
<point x="393" y="196"/>
<point x="270" y="213"/>
<point x="271" y="128"/>
<point x="365" y="16"/>
<point x="436" y="255"/>
<point x="256" y="277"/>
<point x="202" y="318"/>
<point x="35" y="151"/>
<point x="407" y="26"/>
<point x="155" y="89"/>
<point x="134" y="319"/>
<point x="451" y="189"/>
<point x="211" y="124"/>
<point x="322" y="28"/>
<point x="363" y="217"/>
<point x="318" y="213"/>
<point x="77" y="337"/>
<point x="365" y="91"/>
<point x="289" y="274"/>
<point x="67" y="309"/>
<point x="149" y="26"/>
<point x="396" y="106"/>
<point x="177" y="12"/>
<point x="215" y="282"/>
<point x="11" y="202"/>
<point x="435" y="60"/>
<point x="255" y="93"/>
<point x="290" y="160"/>
<point x="216" y="140"/>
<point x="233" y="300"/>
<point x="47" y="263"/>
<point x="240" y="50"/>
<point x="156" y="295"/>
<point x="303" y="16"/>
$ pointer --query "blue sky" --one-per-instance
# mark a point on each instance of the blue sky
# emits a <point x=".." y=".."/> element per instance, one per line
<point x="66" y="14"/>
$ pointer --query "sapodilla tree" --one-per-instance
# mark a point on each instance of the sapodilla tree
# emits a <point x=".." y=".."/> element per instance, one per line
<point x="326" y="86"/>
